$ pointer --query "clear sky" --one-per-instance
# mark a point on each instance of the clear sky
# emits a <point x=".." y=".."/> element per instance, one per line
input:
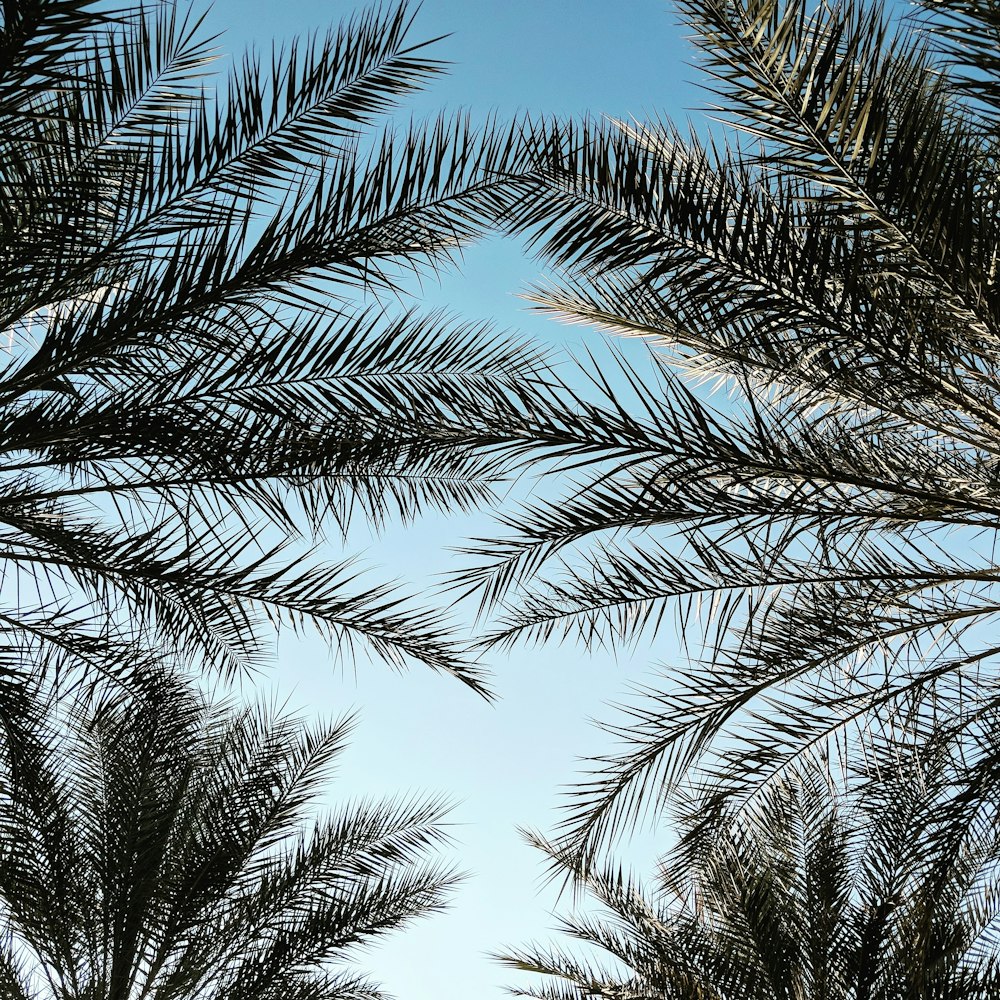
<point x="502" y="765"/>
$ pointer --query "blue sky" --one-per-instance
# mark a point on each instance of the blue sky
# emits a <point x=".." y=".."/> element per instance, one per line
<point x="503" y="765"/>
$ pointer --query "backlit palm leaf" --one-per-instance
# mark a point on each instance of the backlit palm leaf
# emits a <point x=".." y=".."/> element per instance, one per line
<point x="160" y="846"/>
<point x="825" y="523"/>
<point x="190" y="377"/>
<point x="884" y="889"/>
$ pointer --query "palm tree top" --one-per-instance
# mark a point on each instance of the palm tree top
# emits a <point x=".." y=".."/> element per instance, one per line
<point x="883" y="887"/>
<point x="162" y="846"/>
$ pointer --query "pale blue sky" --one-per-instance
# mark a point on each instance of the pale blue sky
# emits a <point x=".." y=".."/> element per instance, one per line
<point x="503" y="764"/>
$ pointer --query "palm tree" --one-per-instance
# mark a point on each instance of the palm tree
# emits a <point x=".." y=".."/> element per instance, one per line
<point x="160" y="846"/>
<point x="883" y="891"/>
<point x="830" y="519"/>
<point x="190" y="375"/>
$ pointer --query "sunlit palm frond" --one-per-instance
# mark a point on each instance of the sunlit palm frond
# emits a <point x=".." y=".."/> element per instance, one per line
<point x="808" y="481"/>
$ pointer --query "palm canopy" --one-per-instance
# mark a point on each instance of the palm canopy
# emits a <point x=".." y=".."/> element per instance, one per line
<point x="161" y="846"/>
<point x="191" y="377"/>
<point x="830" y="520"/>
<point x="882" y="890"/>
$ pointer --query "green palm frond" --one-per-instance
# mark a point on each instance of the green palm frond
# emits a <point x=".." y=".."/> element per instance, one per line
<point x="807" y="484"/>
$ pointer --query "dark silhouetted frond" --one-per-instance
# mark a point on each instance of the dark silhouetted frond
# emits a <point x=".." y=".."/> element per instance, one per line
<point x="191" y="387"/>
<point x="881" y="884"/>
<point x="158" y="845"/>
<point x="809" y="489"/>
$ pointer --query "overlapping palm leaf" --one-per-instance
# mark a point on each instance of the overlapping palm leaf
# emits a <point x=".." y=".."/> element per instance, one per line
<point x="826" y="521"/>
<point x="192" y="376"/>
<point x="162" y="846"/>
<point x="884" y="888"/>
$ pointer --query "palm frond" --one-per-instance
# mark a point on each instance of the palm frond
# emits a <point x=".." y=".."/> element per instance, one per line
<point x="190" y="385"/>
<point x="844" y="884"/>
<point x="809" y="482"/>
<point x="159" y="842"/>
